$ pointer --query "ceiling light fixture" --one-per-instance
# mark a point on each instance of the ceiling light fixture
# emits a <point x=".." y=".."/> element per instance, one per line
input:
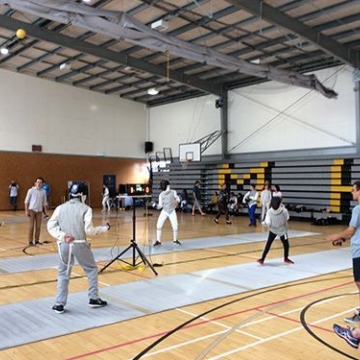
<point x="153" y="91"/>
<point x="4" y="51"/>
<point x="64" y="66"/>
<point x="160" y="25"/>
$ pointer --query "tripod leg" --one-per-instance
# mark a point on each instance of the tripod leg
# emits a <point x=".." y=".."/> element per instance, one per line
<point x="143" y="258"/>
<point x="116" y="258"/>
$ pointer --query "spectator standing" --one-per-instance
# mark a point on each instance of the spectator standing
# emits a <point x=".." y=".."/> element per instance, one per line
<point x="276" y="191"/>
<point x="265" y="199"/>
<point x="13" y="192"/>
<point x="46" y="187"/>
<point x="35" y="202"/>
<point x="184" y="201"/>
<point x="197" y="198"/>
<point x="250" y="199"/>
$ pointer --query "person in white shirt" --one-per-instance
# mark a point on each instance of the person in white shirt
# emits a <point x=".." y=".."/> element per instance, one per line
<point x="106" y="199"/>
<point x="265" y="199"/>
<point x="35" y="202"/>
<point x="250" y="200"/>
<point x="233" y="203"/>
<point x="276" y="191"/>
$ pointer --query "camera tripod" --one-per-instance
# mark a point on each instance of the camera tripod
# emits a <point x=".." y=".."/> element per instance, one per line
<point x="136" y="251"/>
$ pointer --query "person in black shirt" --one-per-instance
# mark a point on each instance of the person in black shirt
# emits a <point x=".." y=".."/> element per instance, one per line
<point x="223" y="204"/>
<point x="197" y="198"/>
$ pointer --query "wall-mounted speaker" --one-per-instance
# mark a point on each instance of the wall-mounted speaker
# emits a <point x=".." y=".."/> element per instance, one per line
<point x="219" y="103"/>
<point x="149" y="147"/>
<point x="36" y="148"/>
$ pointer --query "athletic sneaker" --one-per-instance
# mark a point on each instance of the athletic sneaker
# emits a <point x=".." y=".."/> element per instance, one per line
<point x="288" y="261"/>
<point x="97" y="303"/>
<point x="177" y="242"/>
<point x="228" y="222"/>
<point x="157" y="243"/>
<point x="355" y="319"/>
<point x="59" y="309"/>
<point x="216" y="221"/>
<point x="260" y="261"/>
<point x="346" y="335"/>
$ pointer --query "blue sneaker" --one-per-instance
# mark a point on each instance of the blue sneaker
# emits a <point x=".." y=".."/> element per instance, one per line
<point x="346" y="335"/>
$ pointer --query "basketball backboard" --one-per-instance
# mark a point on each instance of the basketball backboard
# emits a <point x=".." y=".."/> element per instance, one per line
<point x="189" y="152"/>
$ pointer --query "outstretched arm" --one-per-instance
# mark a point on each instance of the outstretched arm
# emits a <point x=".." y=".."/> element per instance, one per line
<point x="338" y="238"/>
<point x="89" y="227"/>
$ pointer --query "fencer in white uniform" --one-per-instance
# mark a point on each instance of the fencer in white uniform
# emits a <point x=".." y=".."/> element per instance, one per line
<point x="168" y="202"/>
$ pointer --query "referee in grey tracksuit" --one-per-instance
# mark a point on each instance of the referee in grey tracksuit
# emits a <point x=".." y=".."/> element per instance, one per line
<point x="69" y="225"/>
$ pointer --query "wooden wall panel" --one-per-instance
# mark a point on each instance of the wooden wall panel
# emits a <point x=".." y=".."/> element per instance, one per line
<point x="57" y="170"/>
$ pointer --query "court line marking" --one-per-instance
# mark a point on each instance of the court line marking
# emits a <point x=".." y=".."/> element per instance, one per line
<point x="114" y="347"/>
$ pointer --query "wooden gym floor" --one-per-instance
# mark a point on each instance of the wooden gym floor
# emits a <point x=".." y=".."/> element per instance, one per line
<point x="265" y="319"/>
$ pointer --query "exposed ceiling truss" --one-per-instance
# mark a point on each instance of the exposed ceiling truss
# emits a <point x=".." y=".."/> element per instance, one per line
<point x="206" y="47"/>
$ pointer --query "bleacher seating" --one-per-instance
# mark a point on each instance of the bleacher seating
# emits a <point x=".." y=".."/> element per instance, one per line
<point x="311" y="188"/>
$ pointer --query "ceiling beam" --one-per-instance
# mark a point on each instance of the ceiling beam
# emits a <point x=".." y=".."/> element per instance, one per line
<point x="274" y="16"/>
<point x="122" y="26"/>
<point x="103" y="53"/>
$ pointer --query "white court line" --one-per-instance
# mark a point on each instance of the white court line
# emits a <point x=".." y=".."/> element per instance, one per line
<point x="260" y="340"/>
<point x="105" y="284"/>
<point x="277" y="336"/>
<point x="183" y="344"/>
<point x="274" y="337"/>
<point x="220" y="324"/>
<point x="255" y="343"/>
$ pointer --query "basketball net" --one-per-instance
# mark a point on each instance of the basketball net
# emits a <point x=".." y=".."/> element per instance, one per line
<point x="185" y="163"/>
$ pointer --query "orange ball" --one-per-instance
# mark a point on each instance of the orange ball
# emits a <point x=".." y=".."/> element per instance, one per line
<point x="21" y="34"/>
